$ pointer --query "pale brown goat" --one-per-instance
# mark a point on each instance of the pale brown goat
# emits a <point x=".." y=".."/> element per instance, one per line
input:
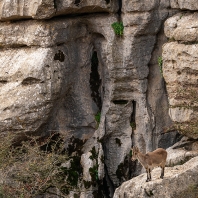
<point x="150" y="160"/>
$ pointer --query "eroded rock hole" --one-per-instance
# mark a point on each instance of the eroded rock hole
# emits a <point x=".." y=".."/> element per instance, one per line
<point x="30" y="81"/>
<point x="132" y="119"/>
<point x="95" y="81"/>
<point x="3" y="81"/>
<point x="77" y="2"/>
<point x="59" y="56"/>
<point x="107" y="1"/>
<point x="120" y="102"/>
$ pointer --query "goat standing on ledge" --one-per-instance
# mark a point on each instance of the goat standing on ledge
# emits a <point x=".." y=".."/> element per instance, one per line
<point x="150" y="160"/>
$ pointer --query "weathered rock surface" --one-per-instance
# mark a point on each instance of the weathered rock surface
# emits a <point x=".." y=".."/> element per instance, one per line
<point x="183" y="4"/>
<point x="86" y="6"/>
<point x="44" y="9"/>
<point x="180" y="74"/>
<point x="179" y="181"/>
<point x="182" y="27"/>
<point x="26" y="92"/>
<point x="182" y="151"/>
<point x="14" y="10"/>
<point x="35" y="76"/>
<point x="180" y="71"/>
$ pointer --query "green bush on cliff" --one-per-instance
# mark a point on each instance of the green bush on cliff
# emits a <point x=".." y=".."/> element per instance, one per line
<point x="118" y="28"/>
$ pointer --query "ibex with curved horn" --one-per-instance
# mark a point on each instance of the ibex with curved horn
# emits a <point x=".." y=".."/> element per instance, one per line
<point x="150" y="160"/>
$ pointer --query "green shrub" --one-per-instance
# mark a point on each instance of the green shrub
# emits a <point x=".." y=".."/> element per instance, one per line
<point x="118" y="28"/>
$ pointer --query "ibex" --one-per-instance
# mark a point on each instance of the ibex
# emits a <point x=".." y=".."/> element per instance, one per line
<point x="150" y="160"/>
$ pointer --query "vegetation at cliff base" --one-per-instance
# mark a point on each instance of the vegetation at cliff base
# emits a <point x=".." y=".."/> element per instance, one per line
<point x="36" y="166"/>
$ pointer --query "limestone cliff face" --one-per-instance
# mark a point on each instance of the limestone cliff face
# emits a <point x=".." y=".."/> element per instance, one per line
<point x="178" y="65"/>
<point x="180" y="71"/>
<point x="62" y="63"/>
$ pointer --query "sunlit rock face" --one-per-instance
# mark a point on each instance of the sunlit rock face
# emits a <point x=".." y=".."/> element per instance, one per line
<point x="184" y="5"/>
<point x="43" y="76"/>
<point x="45" y="9"/>
<point x="180" y="71"/>
<point x="14" y="10"/>
<point x="26" y="90"/>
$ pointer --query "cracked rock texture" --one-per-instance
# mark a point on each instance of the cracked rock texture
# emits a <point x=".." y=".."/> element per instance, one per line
<point x="61" y="64"/>
<point x="184" y="5"/>
<point x="180" y="71"/>
<point x="44" y="9"/>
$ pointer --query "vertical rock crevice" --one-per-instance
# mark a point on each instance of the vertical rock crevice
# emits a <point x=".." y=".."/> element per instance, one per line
<point x="95" y="81"/>
<point x="132" y="119"/>
<point x="119" y="9"/>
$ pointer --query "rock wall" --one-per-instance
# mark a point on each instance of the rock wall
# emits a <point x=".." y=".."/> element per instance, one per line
<point x="178" y="66"/>
<point x="180" y="60"/>
<point x="62" y="63"/>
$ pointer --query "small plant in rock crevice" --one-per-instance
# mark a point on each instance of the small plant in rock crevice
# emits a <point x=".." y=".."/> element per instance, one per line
<point x="118" y="28"/>
<point x="160" y="63"/>
<point x="97" y="118"/>
<point x="133" y="125"/>
<point x="94" y="170"/>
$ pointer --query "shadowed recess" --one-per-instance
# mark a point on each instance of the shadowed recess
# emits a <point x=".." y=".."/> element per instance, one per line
<point x="59" y="56"/>
<point x="95" y="80"/>
<point x="30" y="81"/>
<point x="132" y="119"/>
<point x="107" y="1"/>
<point x="77" y="2"/>
<point x="121" y="102"/>
<point x="3" y="81"/>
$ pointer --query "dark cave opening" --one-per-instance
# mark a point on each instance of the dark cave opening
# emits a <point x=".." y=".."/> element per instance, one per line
<point x="107" y="1"/>
<point x="132" y="164"/>
<point x="120" y="9"/>
<point x="59" y="56"/>
<point x="121" y="102"/>
<point x="95" y="81"/>
<point x="132" y="119"/>
<point x="77" y="2"/>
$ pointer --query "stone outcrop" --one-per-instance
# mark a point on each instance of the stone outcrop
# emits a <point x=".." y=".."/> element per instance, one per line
<point x="86" y="6"/>
<point x="182" y="27"/>
<point x="44" y="9"/>
<point x="184" y="5"/>
<point x="181" y="152"/>
<point x="179" y="181"/>
<point x="180" y="71"/>
<point x="35" y="76"/>
<point x="15" y="10"/>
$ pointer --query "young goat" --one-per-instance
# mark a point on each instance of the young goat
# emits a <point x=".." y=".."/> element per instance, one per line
<point x="150" y="160"/>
